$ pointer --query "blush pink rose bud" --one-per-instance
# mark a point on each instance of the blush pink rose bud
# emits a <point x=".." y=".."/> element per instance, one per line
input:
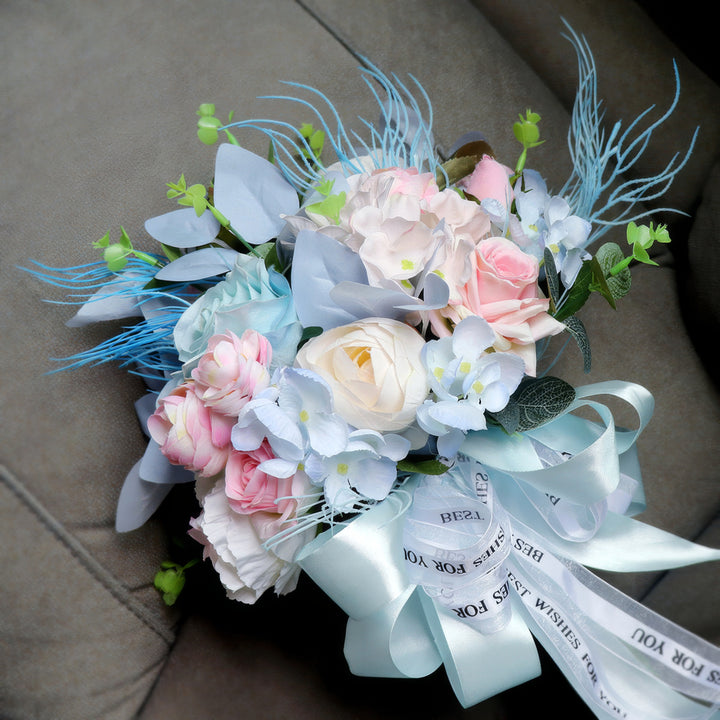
<point x="489" y="181"/>
<point x="232" y="370"/>
<point x="250" y="490"/>
<point x="189" y="433"/>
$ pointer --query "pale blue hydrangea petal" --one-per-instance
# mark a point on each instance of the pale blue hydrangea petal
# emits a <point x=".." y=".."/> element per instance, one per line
<point x="183" y="228"/>
<point x="252" y="194"/>
<point x="363" y="301"/>
<point x="461" y="415"/>
<point x="375" y="477"/>
<point x="277" y="467"/>
<point x="449" y="444"/>
<point x="472" y="337"/>
<point x="265" y="419"/>
<point x="308" y="398"/>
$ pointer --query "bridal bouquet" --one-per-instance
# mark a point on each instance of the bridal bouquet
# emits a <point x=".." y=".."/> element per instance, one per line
<point x="343" y="358"/>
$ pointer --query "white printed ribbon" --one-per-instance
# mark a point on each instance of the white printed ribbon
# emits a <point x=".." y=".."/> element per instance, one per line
<point x="454" y="547"/>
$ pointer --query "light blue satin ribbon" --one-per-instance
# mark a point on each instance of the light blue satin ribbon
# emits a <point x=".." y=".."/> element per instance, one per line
<point x="396" y="630"/>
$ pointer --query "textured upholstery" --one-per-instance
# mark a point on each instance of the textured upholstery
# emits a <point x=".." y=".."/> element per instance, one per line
<point x="98" y="103"/>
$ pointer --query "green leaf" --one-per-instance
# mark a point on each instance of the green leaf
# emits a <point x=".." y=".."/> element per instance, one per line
<point x="455" y="169"/>
<point x="431" y="466"/>
<point x="508" y="418"/>
<point x="103" y="242"/>
<point x="611" y="287"/>
<point x="576" y="328"/>
<point x="199" y="203"/>
<point x="207" y="135"/>
<point x="170" y="583"/>
<point x="578" y="294"/>
<point x="641" y="255"/>
<point x="330" y="207"/>
<point x="551" y="276"/>
<point x="309" y="333"/>
<point x="206" y="110"/>
<point x="115" y="256"/>
<point x="539" y="400"/>
<point x="197" y="190"/>
<point x="125" y="241"/>
<point x="272" y="259"/>
<point x="231" y="138"/>
<point x="171" y="253"/>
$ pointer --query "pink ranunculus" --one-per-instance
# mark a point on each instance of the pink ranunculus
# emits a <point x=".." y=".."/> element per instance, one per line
<point x="489" y="181"/>
<point x="503" y="289"/>
<point x="189" y="433"/>
<point x="249" y="489"/>
<point x="232" y="370"/>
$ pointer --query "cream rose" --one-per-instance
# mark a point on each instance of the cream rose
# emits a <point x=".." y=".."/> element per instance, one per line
<point x="374" y="370"/>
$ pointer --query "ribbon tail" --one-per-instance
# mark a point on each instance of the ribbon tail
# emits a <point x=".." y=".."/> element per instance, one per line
<point x="393" y="642"/>
<point x="480" y="666"/>
<point x="623" y="544"/>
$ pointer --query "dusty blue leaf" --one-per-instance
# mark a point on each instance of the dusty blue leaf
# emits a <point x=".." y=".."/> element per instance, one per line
<point x="252" y="194"/>
<point x="199" y="265"/>
<point x="183" y="228"/>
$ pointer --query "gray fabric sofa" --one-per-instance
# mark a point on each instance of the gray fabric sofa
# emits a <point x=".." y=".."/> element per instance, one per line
<point x="98" y="103"/>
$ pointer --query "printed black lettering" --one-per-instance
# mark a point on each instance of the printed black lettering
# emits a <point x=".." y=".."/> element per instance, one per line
<point x="687" y="663"/>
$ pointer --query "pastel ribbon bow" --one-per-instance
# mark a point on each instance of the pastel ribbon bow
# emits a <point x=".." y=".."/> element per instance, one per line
<point x="551" y="501"/>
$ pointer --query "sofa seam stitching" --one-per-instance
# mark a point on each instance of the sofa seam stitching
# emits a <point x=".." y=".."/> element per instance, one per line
<point x="84" y="557"/>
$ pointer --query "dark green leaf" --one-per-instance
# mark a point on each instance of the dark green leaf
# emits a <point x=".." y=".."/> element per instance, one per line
<point x="616" y="286"/>
<point x="577" y="330"/>
<point x="578" y="294"/>
<point x="539" y="400"/>
<point x="423" y="467"/>
<point x="456" y="169"/>
<point x="552" y="277"/>
<point x="309" y="333"/>
<point x="508" y="418"/>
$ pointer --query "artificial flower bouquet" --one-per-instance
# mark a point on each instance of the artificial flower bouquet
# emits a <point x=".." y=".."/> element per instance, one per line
<point x="343" y="358"/>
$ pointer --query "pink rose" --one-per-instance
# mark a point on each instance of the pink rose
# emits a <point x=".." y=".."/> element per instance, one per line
<point x="190" y="434"/>
<point x="249" y="489"/>
<point x="489" y="181"/>
<point x="232" y="370"/>
<point x="503" y="289"/>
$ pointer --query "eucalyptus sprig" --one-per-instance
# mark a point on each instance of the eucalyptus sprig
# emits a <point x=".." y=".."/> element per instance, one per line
<point x="641" y="237"/>
<point x="527" y="132"/>
<point x="208" y="125"/>
<point x="116" y="254"/>
<point x="608" y="272"/>
<point x="196" y="196"/>
<point x="331" y="206"/>
<point x="314" y="138"/>
<point x="170" y="581"/>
